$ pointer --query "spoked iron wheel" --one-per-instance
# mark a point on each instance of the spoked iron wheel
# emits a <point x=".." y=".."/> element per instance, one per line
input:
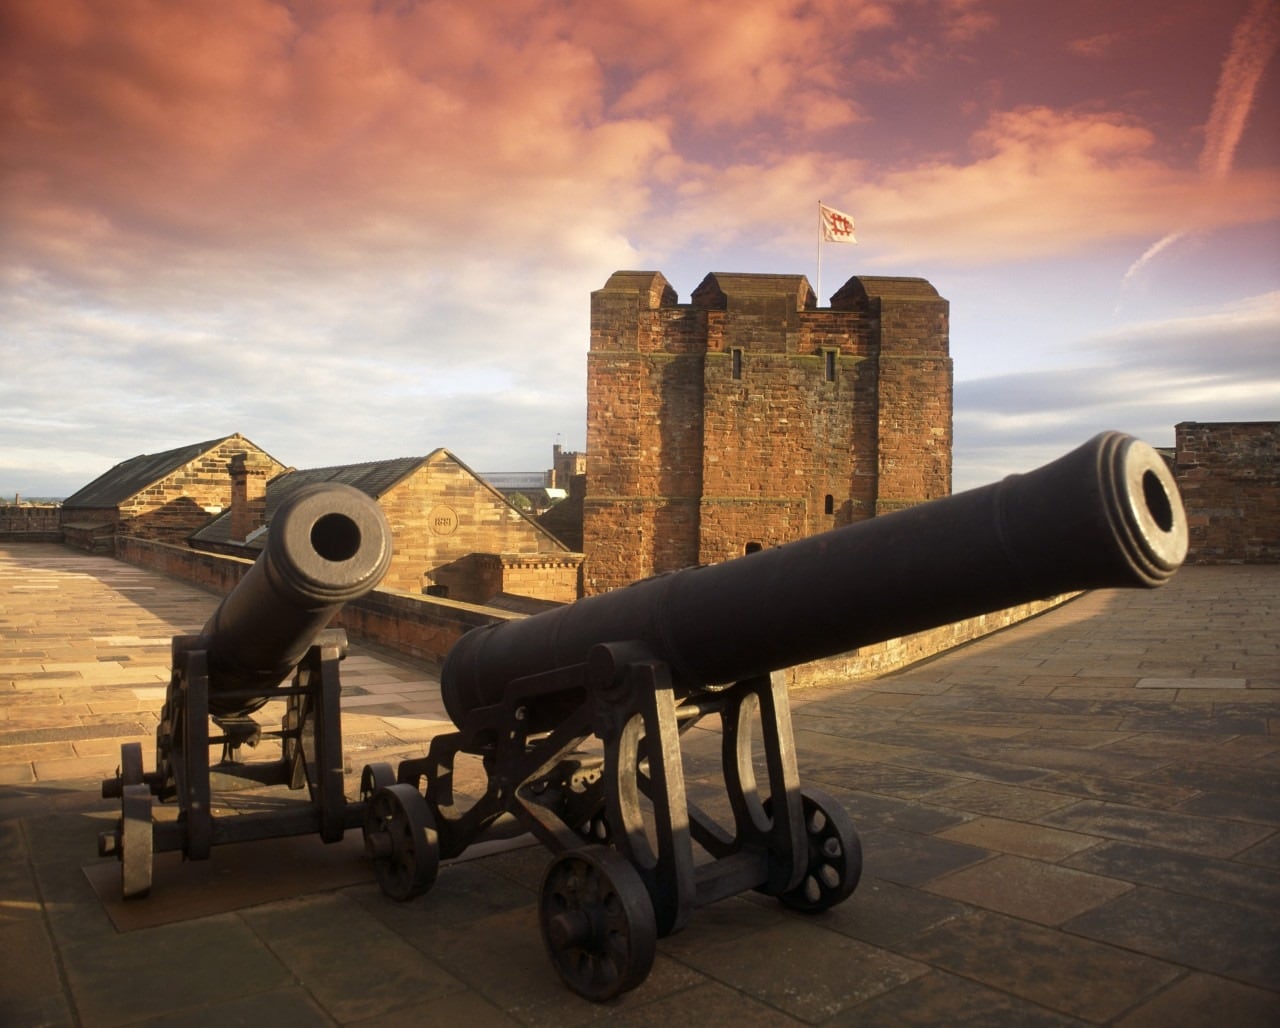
<point x="835" y="855"/>
<point x="597" y="922"/>
<point x="400" y="838"/>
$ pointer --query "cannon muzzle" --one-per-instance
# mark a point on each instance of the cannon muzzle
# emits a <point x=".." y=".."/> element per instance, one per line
<point x="329" y="544"/>
<point x="1106" y="515"/>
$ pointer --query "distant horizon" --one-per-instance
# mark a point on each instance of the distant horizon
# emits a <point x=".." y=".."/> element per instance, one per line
<point x="6" y="497"/>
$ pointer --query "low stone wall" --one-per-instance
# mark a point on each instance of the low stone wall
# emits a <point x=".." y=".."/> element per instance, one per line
<point x="211" y="571"/>
<point x="895" y="654"/>
<point x="29" y="524"/>
<point x="1229" y="476"/>
<point x="426" y="627"/>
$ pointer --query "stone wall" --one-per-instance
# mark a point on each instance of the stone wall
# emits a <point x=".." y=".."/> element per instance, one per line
<point x="182" y="501"/>
<point x="441" y="514"/>
<point x="546" y="576"/>
<point x="172" y="507"/>
<point x="913" y="391"/>
<point x="749" y="417"/>
<point x="644" y="431"/>
<point x="882" y="658"/>
<point x="423" y="627"/>
<point x="93" y="534"/>
<point x="1229" y="475"/>
<point x="33" y="523"/>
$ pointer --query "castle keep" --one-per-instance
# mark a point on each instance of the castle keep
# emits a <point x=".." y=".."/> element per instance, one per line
<point x="749" y="417"/>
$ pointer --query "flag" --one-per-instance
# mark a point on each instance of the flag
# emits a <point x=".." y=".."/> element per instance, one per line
<point x="837" y="227"/>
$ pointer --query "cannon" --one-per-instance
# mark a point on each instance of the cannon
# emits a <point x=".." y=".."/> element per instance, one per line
<point x="267" y="640"/>
<point x="576" y="714"/>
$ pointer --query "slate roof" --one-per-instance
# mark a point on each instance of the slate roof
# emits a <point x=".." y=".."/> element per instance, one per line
<point x="372" y="478"/>
<point x="130" y="477"/>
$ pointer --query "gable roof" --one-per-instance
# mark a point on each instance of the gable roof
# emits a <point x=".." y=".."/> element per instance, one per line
<point x="373" y="478"/>
<point x="132" y="476"/>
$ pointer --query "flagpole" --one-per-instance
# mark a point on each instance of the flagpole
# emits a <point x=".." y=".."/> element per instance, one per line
<point x="819" y="286"/>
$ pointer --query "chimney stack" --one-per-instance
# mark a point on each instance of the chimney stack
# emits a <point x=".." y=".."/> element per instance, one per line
<point x="248" y="497"/>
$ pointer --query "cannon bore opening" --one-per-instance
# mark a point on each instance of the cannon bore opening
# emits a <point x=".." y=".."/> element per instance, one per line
<point x="335" y="537"/>
<point x="1157" y="499"/>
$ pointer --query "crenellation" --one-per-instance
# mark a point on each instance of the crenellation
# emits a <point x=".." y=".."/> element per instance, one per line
<point x="774" y="421"/>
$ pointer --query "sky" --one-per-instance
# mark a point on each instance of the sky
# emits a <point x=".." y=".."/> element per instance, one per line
<point x="353" y="230"/>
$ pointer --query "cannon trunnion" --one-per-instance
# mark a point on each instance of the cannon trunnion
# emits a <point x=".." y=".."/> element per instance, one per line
<point x="266" y="641"/>
<point x="577" y="714"/>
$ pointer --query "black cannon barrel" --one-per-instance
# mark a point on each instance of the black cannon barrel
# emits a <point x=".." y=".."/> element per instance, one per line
<point x="1105" y="515"/>
<point x="329" y="544"/>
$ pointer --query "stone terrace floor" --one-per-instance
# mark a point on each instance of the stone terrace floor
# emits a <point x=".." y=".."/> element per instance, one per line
<point x="1074" y="821"/>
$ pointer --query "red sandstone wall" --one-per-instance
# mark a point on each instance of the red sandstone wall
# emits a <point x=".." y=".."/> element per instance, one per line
<point x="750" y="417"/>
<point x="778" y="439"/>
<point x="644" y="432"/>
<point x="1229" y="476"/>
<point x="910" y="327"/>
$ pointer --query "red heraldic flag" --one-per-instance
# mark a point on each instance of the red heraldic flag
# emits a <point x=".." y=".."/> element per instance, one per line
<point x="837" y="227"/>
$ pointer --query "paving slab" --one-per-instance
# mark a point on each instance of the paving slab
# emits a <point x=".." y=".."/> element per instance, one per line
<point x="1237" y="942"/>
<point x="1070" y="822"/>
<point x="1033" y="890"/>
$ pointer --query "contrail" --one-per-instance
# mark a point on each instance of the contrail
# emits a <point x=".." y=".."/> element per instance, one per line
<point x="1254" y="42"/>
<point x="1150" y="254"/>
<point x="1252" y="45"/>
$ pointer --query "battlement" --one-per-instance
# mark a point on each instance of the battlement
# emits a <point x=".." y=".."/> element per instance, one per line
<point x="750" y="416"/>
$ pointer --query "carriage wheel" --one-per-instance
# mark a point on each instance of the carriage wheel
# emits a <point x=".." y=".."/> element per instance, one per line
<point x="835" y="855"/>
<point x="400" y="838"/>
<point x="597" y="922"/>
<point x="136" y="845"/>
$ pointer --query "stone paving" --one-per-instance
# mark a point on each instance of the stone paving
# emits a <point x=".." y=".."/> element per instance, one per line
<point x="1074" y="821"/>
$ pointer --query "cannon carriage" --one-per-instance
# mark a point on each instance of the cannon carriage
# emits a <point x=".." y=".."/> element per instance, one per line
<point x="575" y="717"/>
<point x="267" y="640"/>
<point x="622" y="676"/>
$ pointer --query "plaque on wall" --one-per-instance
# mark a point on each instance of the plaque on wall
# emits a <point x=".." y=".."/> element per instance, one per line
<point x="442" y="520"/>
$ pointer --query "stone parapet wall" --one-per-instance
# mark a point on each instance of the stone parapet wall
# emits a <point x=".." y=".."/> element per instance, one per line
<point x="1229" y="475"/>
<point x="547" y="577"/>
<point x="895" y="654"/>
<point x="426" y="627"/>
<point x="32" y="524"/>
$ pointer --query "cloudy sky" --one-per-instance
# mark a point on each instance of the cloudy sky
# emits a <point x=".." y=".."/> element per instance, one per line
<point x="360" y="229"/>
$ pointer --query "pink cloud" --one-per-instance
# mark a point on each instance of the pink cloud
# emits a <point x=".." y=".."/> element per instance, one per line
<point x="1253" y="44"/>
<point x="149" y="130"/>
<point x="1038" y="182"/>
<point x="1045" y="182"/>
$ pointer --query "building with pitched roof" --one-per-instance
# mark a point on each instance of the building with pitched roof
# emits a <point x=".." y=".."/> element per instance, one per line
<point x="163" y="496"/>
<point x="454" y="534"/>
